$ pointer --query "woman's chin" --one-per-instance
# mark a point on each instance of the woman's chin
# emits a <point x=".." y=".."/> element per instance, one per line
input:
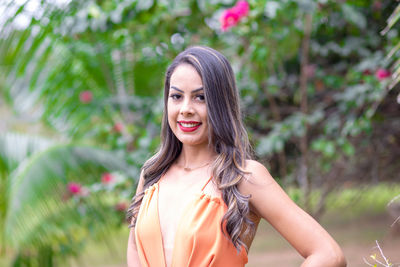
<point x="192" y="142"/>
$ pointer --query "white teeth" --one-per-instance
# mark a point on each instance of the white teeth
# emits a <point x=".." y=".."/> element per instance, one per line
<point x="189" y="125"/>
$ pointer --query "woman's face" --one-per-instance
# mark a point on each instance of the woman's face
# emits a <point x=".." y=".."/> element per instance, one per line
<point x="187" y="111"/>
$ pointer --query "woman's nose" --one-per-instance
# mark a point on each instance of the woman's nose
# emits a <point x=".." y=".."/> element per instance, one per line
<point x="186" y="108"/>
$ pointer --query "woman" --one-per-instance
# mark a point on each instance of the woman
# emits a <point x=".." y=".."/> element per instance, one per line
<point x="201" y="196"/>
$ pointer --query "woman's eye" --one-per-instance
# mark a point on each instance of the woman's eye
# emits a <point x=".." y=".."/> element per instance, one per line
<point x="175" y="96"/>
<point x="200" y="97"/>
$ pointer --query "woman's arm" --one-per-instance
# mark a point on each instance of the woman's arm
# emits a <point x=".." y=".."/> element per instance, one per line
<point x="305" y="234"/>
<point x="132" y="254"/>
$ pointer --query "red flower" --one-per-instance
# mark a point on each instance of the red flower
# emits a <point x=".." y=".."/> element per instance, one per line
<point x="106" y="178"/>
<point x="118" y="127"/>
<point x="86" y="97"/>
<point x="74" y="188"/>
<point x="382" y="74"/>
<point x="367" y="72"/>
<point x="121" y="206"/>
<point x="230" y="17"/>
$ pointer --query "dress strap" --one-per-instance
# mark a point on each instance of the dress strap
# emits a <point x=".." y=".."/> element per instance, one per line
<point x="209" y="179"/>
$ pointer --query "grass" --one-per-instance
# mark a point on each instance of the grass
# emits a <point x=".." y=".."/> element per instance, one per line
<point x="351" y="202"/>
<point x="109" y="253"/>
<point x="366" y="199"/>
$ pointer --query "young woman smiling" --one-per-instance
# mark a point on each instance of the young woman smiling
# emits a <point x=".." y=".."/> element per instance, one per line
<point x="201" y="197"/>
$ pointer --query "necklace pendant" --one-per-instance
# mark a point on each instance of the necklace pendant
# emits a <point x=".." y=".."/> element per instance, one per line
<point x="187" y="169"/>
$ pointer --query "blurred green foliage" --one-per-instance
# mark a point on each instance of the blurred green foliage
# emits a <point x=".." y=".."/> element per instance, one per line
<point x="364" y="200"/>
<point x="92" y="71"/>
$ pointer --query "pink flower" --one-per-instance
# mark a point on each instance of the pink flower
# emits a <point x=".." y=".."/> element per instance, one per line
<point x="86" y="97"/>
<point x="74" y="188"/>
<point x="230" y="17"/>
<point x="118" y="127"/>
<point x="382" y="74"/>
<point x="121" y="206"/>
<point x="106" y="178"/>
<point x="241" y="8"/>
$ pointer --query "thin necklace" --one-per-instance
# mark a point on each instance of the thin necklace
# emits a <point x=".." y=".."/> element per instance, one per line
<point x="188" y="169"/>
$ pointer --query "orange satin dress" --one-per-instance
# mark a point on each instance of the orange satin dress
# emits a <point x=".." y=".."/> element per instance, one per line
<point x="199" y="241"/>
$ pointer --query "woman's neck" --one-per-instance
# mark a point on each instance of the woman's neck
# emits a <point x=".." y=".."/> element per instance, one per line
<point x="193" y="156"/>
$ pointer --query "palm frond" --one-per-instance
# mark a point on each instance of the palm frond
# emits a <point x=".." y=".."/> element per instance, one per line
<point x="37" y="191"/>
<point x="16" y="147"/>
<point x="391" y="21"/>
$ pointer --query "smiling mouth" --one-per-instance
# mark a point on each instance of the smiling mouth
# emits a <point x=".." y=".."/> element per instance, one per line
<point x="189" y="126"/>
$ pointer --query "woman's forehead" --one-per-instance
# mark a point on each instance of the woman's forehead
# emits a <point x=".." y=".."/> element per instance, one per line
<point x="185" y="75"/>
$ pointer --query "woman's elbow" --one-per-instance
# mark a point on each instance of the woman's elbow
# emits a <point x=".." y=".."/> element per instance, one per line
<point x="332" y="257"/>
<point x="341" y="260"/>
<point x="337" y="258"/>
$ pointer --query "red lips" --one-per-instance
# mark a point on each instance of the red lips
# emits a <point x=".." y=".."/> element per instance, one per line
<point x="189" y="129"/>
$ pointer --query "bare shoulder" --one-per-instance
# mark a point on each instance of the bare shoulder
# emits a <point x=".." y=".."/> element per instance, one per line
<point x="262" y="188"/>
<point x="257" y="175"/>
<point x="254" y="165"/>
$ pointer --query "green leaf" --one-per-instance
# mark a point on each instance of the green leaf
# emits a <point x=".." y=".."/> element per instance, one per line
<point x="354" y="16"/>
<point x="348" y="149"/>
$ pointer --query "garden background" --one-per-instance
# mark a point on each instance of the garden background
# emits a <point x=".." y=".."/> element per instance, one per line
<point x="80" y="111"/>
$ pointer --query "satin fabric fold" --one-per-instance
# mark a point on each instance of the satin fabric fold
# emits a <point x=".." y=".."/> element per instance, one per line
<point x="199" y="240"/>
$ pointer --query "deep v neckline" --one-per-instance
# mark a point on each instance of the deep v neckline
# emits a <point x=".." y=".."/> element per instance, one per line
<point x="187" y="206"/>
<point x="198" y="240"/>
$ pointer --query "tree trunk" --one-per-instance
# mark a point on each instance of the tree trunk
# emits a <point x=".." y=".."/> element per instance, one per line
<point x="304" y="178"/>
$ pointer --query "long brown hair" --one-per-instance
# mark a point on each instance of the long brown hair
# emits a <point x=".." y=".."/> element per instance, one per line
<point x="227" y="136"/>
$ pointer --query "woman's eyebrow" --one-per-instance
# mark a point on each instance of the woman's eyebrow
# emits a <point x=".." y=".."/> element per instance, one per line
<point x="194" y="91"/>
